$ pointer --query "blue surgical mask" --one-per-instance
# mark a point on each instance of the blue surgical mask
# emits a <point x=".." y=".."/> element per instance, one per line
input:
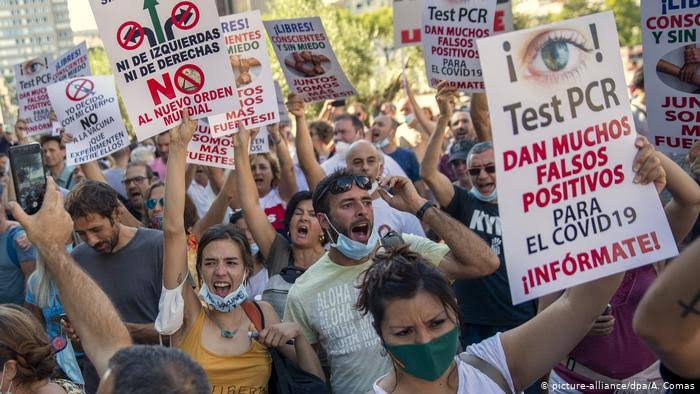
<point x="409" y="118"/>
<point x="224" y="304"/>
<point x="69" y="364"/>
<point x="352" y="249"/>
<point x="254" y="249"/>
<point x="383" y="143"/>
<point x="488" y="198"/>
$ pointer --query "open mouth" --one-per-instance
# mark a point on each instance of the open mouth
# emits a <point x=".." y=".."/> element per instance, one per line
<point x="375" y="136"/>
<point x="222" y="289"/>
<point x="302" y="231"/>
<point x="259" y="181"/>
<point x="360" y="232"/>
<point x="486" y="188"/>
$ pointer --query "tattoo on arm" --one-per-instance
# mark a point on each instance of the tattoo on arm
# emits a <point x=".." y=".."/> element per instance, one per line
<point x="179" y="279"/>
<point x="690" y="307"/>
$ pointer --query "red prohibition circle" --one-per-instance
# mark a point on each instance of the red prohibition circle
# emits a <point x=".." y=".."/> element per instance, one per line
<point x="132" y="28"/>
<point x="78" y="89"/>
<point x="187" y="9"/>
<point x="181" y="78"/>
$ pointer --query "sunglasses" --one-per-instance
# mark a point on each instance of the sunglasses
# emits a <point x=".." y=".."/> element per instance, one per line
<point x="152" y="202"/>
<point x="475" y="171"/>
<point x="343" y="184"/>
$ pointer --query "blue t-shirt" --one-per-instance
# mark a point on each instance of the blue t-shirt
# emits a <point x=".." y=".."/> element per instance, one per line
<point x="11" y="275"/>
<point x="408" y="162"/>
<point x="52" y="313"/>
<point x="486" y="300"/>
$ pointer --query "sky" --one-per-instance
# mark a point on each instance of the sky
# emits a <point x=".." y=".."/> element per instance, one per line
<point x="81" y="15"/>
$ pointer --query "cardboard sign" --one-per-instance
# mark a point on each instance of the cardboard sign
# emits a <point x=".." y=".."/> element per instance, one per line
<point x="87" y="108"/>
<point x="308" y="61"/>
<point x="56" y="128"/>
<point x="31" y="78"/>
<point x="73" y="63"/>
<point x="450" y="30"/>
<point x="669" y="34"/>
<point x="205" y="149"/>
<point x="564" y="150"/>
<point x="407" y="23"/>
<point x="281" y="105"/>
<point x="503" y="20"/>
<point x="250" y="62"/>
<point x="261" y="142"/>
<point x="166" y="55"/>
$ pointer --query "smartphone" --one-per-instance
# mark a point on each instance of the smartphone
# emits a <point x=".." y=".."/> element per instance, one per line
<point x="608" y="310"/>
<point x="338" y="103"/>
<point x="29" y="176"/>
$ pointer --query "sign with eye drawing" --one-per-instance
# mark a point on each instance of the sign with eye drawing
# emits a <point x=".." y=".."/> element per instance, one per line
<point x="672" y="73"/>
<point x="564" y="149"/>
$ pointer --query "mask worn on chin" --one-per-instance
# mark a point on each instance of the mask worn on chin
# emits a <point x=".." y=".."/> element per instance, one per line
<point x="3" y="381"/>
<point x="352" y="249"/>
<point x="224" y="304"/>
<point x="427" y="361"/>
<point x="488" y="198"/>
<point x="383" y="143"/>
<point x="409" y="118"/>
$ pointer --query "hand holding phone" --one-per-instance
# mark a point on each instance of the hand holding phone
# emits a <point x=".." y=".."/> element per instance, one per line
<point x="29" y="176"/>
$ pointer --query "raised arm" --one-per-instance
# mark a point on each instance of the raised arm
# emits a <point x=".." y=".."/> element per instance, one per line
<point x="668" y="318"/>
<point x="469" y="256"/>
<point x="305" y="148"/>
<point x="438" y="183"/>
<point x="682" y="211"/>
<point x="425" y="125"/>
<point x="175" y="269"/>
<point x="258" y="224"/>
<point x="217" y="211"/>
<point x="91" y="313"/>
<point x="479" y="111"/>
<point x="288" y="181"/>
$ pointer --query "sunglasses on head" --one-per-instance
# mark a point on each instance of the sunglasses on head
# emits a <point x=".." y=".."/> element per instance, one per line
<point x="343" y="184"/>
<point x="152" y="202"/>
<point x="475" y="171"/>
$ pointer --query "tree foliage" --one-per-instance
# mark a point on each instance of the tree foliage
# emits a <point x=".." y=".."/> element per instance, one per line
<point x="99" y="65"/>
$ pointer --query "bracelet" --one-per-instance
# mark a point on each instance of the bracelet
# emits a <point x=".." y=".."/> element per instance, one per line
<point x="421" y="212"/>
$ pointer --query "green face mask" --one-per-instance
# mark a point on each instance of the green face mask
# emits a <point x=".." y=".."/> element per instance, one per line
<point x="427" y="361"/>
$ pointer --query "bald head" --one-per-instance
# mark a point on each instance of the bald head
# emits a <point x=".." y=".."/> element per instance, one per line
<point x="363" y="158"/>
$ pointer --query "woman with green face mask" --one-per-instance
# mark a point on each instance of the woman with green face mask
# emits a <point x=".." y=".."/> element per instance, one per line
<point x="416" y="316"/>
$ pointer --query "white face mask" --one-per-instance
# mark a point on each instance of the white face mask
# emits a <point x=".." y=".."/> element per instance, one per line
<point x="224" y="304"/>
<point x="2" y="381"/>
<point x="171" y="310"/>
<point x="341" y="148"/>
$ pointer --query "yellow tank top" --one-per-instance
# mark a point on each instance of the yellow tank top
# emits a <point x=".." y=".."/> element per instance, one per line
<point x="245" y="373"/>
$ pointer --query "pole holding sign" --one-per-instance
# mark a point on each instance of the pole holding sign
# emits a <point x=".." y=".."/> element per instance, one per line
<point x="564" y="148"/>
<point x="307" y="59"/>
<point x="672" y="73"/>
<point x="166" y="55"/>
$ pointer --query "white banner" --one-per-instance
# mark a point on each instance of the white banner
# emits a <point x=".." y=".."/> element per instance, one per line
<point x="671" y="75"/>
<point x="166" y="55"/>
<point x="307" y="59"/>
<point x="31" y="78"/>
<point x="87" y="108"/>
<point x="250" y="62"/>
<point x="564" y="149"/>
<point x="407" y="24"/>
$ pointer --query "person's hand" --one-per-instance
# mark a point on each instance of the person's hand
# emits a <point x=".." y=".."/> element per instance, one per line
<point x="69" y="330"/>
<point x="405" y="196"/>
<point x="691" y="54"/>
<point x="274" y="133"/>
<point x="295" y="105"/>
<point x="647" y="166"/>
<point x="603" y="326"/>
<point x="23" y="242"/>
<point x="278" y="334"/>
<point x="687" y="72"/>
<point x="694" y="152"/>
<point x="243" y="137"/>
<point x="40" y="234"/>
<point x="66" y="138"/>
<point x="445" y="98"/>
<point x="181" y="134"/>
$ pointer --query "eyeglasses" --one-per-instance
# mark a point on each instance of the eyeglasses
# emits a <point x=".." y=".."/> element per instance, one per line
<point x="136" y="179"/>
<point x="151" y="203"/>
<point x="343" y="184"/>
<point x="476" y="171"/>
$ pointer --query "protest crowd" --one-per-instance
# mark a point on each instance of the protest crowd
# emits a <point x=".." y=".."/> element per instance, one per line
<point x="332" y="253"/>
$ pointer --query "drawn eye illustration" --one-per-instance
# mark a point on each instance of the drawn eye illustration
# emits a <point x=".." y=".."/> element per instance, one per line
<point x="554" y="56"/>
<point x="32" y="67"/>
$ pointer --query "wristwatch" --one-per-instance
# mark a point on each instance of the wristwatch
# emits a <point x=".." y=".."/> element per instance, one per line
<point x="424" y="209"/>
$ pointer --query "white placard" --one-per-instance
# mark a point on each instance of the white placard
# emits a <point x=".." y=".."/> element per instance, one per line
<point x="31" y="78"/>
<point x="307" y="59"/>
<point x="73" y="63"/>
<point x="564" y="149"/>
<point x="407" y="24"/>
<point x="166" y="55"/>
<point x="205" y="149"/>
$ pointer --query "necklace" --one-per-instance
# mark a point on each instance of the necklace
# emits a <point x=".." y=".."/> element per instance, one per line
<point x="224" y="332"/>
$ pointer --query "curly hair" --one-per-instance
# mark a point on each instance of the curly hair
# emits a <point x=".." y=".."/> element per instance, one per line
<point x="23" y="340"/>
<point x="92" y="197"/>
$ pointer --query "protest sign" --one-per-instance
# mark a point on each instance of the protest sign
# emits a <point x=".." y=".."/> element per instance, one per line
<point x="250" y="62"/>
<point x="669" y="36"/>
<point x="407" y="14"/>
<point x="261" y="142"/>
<point x="71" y="64"/>
<point x="564" y="149"/>
<point x="503" y="20"/>
<point x="450" y="30"/>
<point x="307" y="59"/>
<point x="56" y="128"/>
<point x="205" y="149"/>
<point x="166" y="55"/>
<point x="31" y="78"/>
<point x="87" y="108"/>
<point x="281" y="105"/>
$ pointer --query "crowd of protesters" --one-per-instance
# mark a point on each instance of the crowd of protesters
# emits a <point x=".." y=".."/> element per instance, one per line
<point x="364" y="250"/>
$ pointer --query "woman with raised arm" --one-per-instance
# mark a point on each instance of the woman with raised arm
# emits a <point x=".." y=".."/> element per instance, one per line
<point x="293" y="256"/>
<point x="216" y="334"/>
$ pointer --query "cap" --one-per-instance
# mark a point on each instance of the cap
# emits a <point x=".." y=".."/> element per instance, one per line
<point x="460" y="150"/>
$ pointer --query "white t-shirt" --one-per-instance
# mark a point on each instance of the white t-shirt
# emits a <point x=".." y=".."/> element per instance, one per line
<point x="471" y="380"/>
<point x="256" y="283"/>
<point x="391" y="167"/>
<point x="274" y="207"/>
<point x="202" y="197"/>
<point x="387" y="218"/>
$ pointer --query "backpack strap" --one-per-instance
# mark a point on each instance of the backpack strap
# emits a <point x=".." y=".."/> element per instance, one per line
<point x="487" y="369"/>
<point x="11" y="249"/>
<point x="254" y="313"/>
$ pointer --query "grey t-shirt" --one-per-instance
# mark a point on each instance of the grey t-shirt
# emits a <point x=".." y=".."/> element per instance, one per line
<point x="11" y="275"/>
